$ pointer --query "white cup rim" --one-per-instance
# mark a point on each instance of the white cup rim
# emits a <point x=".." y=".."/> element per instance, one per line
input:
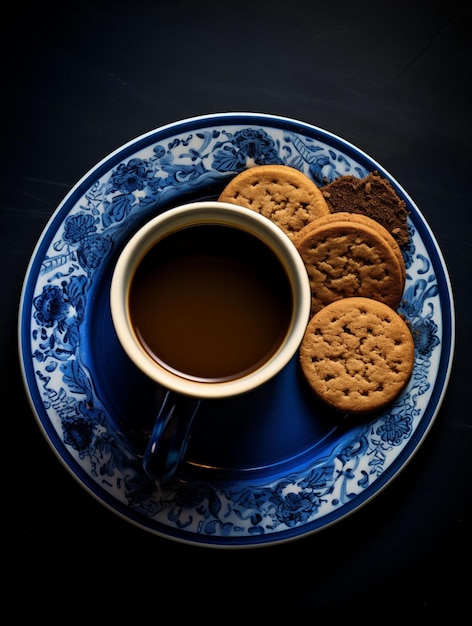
<point x="209" y="212"/>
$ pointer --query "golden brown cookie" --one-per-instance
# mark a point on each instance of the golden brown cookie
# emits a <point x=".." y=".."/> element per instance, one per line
<point x="279" y="192"/>
<point x="362" y="219"/>
<point x="346" y="258"/>
<point x="373" y="196"/>
<point x="357" y="355"/>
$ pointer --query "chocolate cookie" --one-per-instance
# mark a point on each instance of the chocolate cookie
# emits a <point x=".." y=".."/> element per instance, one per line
<point x="347" y="257"/>
<point x="279" y="192"/>
<point x="372" y="196"/>
<point x="357" y="355"/>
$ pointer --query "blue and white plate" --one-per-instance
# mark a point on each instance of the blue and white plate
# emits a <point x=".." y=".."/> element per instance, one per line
<point x="269" y="466"/>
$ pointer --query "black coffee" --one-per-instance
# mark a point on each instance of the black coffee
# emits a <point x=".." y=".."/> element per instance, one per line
<point x="210" y="302"/>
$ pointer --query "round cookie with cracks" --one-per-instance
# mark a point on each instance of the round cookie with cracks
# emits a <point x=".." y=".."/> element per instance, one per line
<point x="357" y="355"/>
<point x="347" y="258"/>
<point x="358" y="219"/>
<point x="279" y="192"/>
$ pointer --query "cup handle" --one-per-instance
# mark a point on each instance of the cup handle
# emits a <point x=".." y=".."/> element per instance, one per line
<point x="167" y="444"/>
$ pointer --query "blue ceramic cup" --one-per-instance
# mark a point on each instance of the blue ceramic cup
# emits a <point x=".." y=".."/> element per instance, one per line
<point x="145" y="322"/>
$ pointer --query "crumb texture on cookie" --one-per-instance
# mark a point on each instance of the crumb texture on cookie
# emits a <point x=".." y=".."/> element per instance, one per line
<point x="279" y="192"/>
<point x="357" y="355"/>
<point x="358" y="219"/>
<point x="346" y="259"/>
<point x="373" y="196"/>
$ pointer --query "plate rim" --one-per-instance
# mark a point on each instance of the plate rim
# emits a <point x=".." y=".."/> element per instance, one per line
<point x="446" y="357"/>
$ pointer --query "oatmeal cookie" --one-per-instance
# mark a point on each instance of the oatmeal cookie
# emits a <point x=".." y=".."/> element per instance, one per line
<point x="346" y="258"/>
<point x="357" y="355"/>
<point x="279" y="192"/>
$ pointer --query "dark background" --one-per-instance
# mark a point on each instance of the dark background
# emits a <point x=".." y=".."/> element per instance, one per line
<point x="81" y="78"/>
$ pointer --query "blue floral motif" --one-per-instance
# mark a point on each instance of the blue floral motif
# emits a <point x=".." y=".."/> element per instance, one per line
<point x="394" y="428"/>
<point x="294" y="508"/>
<point x="209" y="155"/>
<point x="185" y="163"/>
<point x="80" y="428"/>
<point x="124" y="181"/>
<point x="257" y="510"/>
<point x="425" y="331"/>
<point x="59" y="331"/>
<point x="50" y="306"/>
<point x="131" y="176"/>
<point x="245" y="147"/>
<point x="78" y="227"/>
<point x="92" y="250"/>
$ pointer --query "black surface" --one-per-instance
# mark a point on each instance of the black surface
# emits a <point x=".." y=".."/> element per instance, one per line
<point x="82" y="78"/>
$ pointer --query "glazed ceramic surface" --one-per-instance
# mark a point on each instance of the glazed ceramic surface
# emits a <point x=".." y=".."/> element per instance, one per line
<point x="269" y="466"/>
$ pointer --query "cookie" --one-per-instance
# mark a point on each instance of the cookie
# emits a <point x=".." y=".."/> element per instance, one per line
<point x="372" y="196"/>
<point x="346" y="258"/>
<point x="357" y="355"/>
<point x="279" y="192"/>
<point x="358" y="218"/>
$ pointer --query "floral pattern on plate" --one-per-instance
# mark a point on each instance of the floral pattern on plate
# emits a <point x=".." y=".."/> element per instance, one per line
<point x="96" y="222"/>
